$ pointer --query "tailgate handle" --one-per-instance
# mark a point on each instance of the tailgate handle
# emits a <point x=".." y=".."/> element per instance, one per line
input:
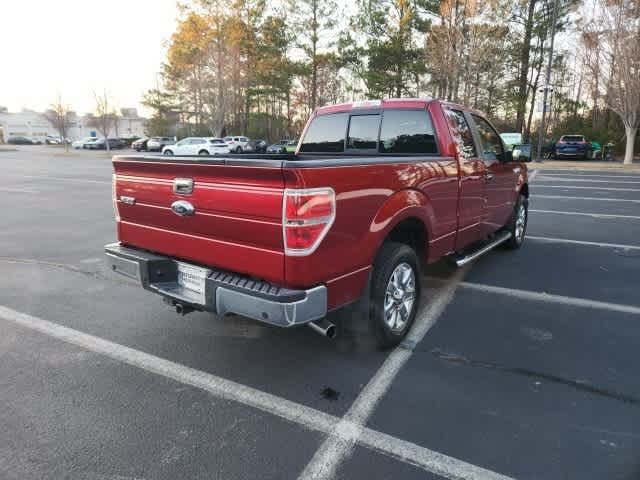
<point x="183" y="186"/>
<point x="182" y="208"/>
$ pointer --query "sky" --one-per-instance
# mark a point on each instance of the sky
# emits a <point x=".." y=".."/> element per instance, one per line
<point x="74" y="47"/>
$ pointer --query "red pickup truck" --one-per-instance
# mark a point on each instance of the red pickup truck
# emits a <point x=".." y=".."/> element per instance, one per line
<point x="375" y="190"/>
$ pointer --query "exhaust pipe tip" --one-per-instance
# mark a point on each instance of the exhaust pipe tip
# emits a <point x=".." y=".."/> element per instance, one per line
<point x="324" y="327"/>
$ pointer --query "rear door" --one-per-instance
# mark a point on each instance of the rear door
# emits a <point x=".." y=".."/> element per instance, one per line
<point x="500" y="176"/>
<point x="471" y="206"/>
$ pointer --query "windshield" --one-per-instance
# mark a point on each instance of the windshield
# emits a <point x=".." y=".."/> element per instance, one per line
<point x="572" y="138"/>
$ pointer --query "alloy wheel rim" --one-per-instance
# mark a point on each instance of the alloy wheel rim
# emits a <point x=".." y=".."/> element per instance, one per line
<point x="400" y="297"/>
<point x="521" y="221"/>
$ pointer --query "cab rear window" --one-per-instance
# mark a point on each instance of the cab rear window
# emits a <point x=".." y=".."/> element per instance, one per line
<point x="401" y="132"/>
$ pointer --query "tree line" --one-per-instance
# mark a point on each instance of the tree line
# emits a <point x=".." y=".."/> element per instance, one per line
<point x="260" y="67"/>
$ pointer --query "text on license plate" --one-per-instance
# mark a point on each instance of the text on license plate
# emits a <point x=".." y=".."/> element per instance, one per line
<point x="191" y="278"/>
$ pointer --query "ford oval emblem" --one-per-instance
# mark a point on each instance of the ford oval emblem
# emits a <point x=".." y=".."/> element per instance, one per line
<point x="183" y="208"/>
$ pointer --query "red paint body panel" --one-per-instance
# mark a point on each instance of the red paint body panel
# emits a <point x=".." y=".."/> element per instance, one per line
<point x="238" y="221"/>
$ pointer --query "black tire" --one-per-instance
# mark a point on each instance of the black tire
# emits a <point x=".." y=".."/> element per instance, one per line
<point x="391" y="257"/>
<point x="167" y="152"/>
<point x="239" y="150"/>
<point x="203" y="152"/>
<point x="517" y="238"/>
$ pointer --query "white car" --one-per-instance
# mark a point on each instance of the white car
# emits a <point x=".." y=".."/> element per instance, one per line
<point x="82" y="142"/>
<point x="197" y="146"/>
<point x="237" y="144"/>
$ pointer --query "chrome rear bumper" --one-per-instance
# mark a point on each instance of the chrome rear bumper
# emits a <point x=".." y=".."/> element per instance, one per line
<point x="224" y="292"/>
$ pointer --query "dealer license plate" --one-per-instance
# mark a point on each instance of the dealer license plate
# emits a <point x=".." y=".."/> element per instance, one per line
<point x="192" y="278"/>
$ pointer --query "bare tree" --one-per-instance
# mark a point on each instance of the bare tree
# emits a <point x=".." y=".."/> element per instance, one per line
<point x="59" y="115"/>
<point x="105" y="116"/>
<point x="622" y="46"/>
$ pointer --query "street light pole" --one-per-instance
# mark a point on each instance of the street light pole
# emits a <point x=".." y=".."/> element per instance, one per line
<point x="542" y="127"/>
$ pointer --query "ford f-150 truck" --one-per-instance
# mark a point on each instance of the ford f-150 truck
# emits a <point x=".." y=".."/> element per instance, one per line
<point x="374" y="191"/>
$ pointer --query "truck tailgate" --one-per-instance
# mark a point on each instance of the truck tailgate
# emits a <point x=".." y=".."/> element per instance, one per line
<point x="237" y="224"/>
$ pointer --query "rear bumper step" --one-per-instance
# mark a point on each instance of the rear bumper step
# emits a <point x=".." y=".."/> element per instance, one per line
<point x="223" y="292"/>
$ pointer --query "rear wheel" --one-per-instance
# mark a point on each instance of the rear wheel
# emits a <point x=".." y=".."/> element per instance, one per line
<point x="167" y="152"/>
<point x="395" y="293"/>
<point x="203" y="152"/>
<point x="517" y="226"/>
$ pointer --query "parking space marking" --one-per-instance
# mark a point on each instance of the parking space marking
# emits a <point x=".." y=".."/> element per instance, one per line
<point x="594" y="215"/>
<point x="302" y="415"/>
<point x="17" y="190"/>
<point x="551" y="298"/>
<point x="588" y="188"/>
<point x="338" y="447"/>
<point x="67" y="179"/>
<point x="578" y="175"/>
<point x="583" y="242"/>
<point x="587" y="198"/>
<point x="562" y="179"/>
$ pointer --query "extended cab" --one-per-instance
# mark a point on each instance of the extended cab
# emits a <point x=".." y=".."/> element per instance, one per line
<point x="375" y="191"/>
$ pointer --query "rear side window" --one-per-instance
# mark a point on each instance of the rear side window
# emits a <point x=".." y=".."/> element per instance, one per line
<point x="363" y="132"/>
<point x="407" y="131"/>
<point x="326" y="134"/>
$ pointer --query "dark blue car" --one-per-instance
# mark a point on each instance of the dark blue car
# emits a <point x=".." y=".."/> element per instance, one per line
<point x="572" y="146"/>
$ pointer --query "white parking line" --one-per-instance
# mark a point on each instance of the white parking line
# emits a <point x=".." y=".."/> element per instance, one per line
<point x="340" y="444"/>
<point x="551" y="298"/>
<point x="572" y="174"/>
<point x="582" y="242"/>
<point x="594" y="215"/>
<point x="588" y="188"/>
<point x="588" y="198"/>
<point x="302" y="415"/>
<point x="67" y="179"/>
<point x="559" y="179"/>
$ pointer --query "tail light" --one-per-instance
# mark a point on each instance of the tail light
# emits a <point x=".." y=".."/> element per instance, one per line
<point x="307" y="216"/>
<point x="114" y="198"/>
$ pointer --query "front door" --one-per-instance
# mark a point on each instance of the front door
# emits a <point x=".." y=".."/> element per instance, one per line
<point x="500" y="178"/>
<point x="471" y="206"/>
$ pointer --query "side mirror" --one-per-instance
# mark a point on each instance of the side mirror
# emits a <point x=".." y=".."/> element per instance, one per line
<point x="521" y="153"/>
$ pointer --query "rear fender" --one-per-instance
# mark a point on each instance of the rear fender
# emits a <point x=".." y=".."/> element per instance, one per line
<point x="400" y="206"/>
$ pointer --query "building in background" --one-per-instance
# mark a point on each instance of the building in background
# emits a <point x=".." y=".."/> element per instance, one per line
<point x="29" y="123"/>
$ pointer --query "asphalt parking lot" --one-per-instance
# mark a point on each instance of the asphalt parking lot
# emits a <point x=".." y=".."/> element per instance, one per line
<point x="524" y="365"/>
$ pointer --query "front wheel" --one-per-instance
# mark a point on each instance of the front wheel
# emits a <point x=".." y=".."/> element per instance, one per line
<point x="167" y="152"/>
<point x="395" y="293"/>
<point x="517" y="226"/>
<point x="239" y="150"/>
<point x="203" y="153"/>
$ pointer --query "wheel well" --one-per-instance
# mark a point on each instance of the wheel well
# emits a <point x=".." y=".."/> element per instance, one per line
<point x="525" y="190"/>
<point x="412" y="232"/>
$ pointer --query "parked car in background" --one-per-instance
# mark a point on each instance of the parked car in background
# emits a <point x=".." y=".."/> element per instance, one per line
<point x="291" y="146"/>
<point x="101" y="144"/>
<point x="82" y="142"/>
<point x="197" y="146"/>
<point x="52" y="140"/>
<point x="156" y="144"/>
<point x="20" y="140"/>
<point x="140" y="145"/>
<point x="256" y="146"/>
<point x="572" y="146"/>
<point x="236" y="144"/>
<point x="280" y="147"/>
